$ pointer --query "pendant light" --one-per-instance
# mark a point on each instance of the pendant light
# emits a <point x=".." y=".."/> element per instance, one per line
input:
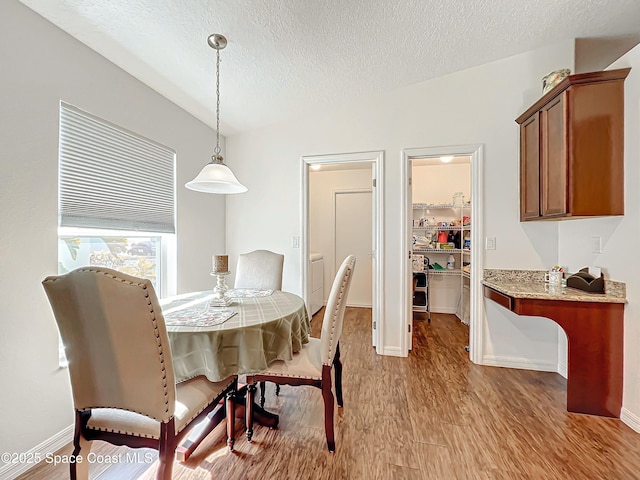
<point x="216" y="177"/>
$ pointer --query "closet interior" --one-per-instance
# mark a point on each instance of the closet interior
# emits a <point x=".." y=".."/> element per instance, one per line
<point x="441" y="235"/>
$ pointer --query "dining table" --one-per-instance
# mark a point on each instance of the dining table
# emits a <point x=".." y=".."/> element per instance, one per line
<point x="256" y="329"/>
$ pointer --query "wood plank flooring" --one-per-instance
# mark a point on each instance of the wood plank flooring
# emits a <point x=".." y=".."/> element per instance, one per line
<point x="434" y="415"/>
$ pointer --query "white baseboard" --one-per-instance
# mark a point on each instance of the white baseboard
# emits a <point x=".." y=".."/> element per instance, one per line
<point x="358" y="305"/>
<point x="519" y="362"/>
<point x="630" y="419"/>
<point x="50" y="445"/>
<point x="393" y="352"/>
<point x="562" y="369"/>
<point x="444" y="309"/>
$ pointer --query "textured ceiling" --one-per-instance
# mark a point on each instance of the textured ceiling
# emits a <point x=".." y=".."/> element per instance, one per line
<point x="294" y="57"/>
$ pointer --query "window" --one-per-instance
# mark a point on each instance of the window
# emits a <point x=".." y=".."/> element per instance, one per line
<point x="116" y="194"/>
<point x="136" y="255"/>
<point x="116" y="198"/>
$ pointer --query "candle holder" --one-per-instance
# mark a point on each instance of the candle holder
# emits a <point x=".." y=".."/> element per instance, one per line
<point x="219" y="298"/>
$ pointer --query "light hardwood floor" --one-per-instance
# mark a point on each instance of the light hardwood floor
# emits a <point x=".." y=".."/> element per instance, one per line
<point x="434" y="415"/>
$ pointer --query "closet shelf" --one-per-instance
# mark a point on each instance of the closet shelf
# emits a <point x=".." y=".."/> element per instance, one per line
<point x="434" y="206"/>
<point x="437" y="250"/>
<point x="434" y="228"/>
<point x="430" y="222"/>
<point x="454" y="272"/>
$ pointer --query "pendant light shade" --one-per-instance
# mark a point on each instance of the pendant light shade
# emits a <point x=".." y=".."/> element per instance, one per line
<point x="216" y="177"/>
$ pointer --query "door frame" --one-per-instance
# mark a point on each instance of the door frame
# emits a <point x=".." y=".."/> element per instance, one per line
<point x="377" y="159"/>
<point x="334" y="210"/>
<point x="476" y="307"/>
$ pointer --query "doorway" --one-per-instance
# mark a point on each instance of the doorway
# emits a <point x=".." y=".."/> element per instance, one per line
<point x="370" y="256"/>
<point x="475" y="152"/>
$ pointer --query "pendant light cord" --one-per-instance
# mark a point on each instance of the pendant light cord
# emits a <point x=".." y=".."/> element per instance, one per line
<point x="216" y="150"/>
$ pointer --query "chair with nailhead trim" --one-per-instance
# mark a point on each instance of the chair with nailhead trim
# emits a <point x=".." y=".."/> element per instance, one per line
<point x="313" y="364"/>
<point x="122" y="378"/>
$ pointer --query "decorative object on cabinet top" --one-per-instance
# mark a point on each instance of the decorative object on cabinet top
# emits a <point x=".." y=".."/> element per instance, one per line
<point x="575" y="79"/>
<point x="550" y="80"/>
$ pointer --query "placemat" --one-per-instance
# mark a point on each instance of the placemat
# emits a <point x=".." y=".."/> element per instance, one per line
<point x="247" y="293"/>
<point x="198" y="317"/>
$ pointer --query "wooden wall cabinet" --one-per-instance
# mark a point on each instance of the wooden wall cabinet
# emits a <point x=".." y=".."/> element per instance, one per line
<point x="571" y="149"/>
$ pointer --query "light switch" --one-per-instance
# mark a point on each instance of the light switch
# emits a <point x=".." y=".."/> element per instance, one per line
<point x="295" y="241"/>
<point x="596" y="244"/>
<point x="490" y="243"/>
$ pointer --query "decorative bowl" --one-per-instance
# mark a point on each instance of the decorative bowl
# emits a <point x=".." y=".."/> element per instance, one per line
<point x="550" y="80"/>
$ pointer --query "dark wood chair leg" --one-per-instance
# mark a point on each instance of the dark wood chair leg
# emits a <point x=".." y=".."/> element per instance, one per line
<point x="166" y="450"/>
<point x="81" y="446"/>
<point x="327" y="396"/>
<point x="251" y="392"/>
<point x="337" y="364"/>
<point x="230" y="405"/>
<point x="263" y="388"/>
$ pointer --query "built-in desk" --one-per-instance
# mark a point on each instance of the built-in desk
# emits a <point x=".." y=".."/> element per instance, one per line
<point x="594" y="327"/>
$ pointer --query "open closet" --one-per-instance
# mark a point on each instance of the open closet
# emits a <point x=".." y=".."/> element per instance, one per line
<point x="441" y="235"/>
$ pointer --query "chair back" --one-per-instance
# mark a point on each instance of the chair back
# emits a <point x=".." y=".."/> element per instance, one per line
<point x="334" y="311"/>
<point x="260" y="269"/>
<point x="115" y="341"/>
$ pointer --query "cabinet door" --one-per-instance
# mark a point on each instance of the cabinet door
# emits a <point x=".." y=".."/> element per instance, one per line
<point x="530" y="168"/>
<point x="553" y="158"/>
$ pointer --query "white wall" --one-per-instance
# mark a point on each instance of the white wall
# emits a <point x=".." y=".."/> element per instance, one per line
<point x="475" y="106"/>
<point x="321" y="229"/>
<point x="438" y="183"/>
<point x="40" y="66"/>
<point x="619" y="239"/>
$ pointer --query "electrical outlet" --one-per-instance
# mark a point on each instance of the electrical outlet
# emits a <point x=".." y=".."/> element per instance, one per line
<point x="295" y="241"/>
<point x="596" y="244"/>
<point x="490" y="243"/>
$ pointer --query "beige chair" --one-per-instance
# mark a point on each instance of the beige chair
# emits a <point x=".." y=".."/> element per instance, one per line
<point x="312" y="365"/>
<point x="120" y="366"/>
<point x="260" y="269"/>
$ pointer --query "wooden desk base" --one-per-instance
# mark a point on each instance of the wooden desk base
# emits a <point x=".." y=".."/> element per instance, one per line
<point x="595" y="337"/>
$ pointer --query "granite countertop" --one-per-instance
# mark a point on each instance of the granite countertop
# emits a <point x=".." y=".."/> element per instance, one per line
<point x="531" y="284"/>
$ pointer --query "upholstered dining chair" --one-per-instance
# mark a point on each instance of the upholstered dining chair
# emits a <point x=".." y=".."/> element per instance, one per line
<point x="260" y="269"/>
<point x="313" y="364"/>
<point x="122" y="378"/>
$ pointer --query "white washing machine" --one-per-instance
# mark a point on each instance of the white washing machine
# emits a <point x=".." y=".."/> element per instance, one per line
<point x="317" y="281"/>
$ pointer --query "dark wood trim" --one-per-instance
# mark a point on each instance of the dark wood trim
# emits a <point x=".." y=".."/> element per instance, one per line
<point x="337" y="368"/>
<point x="327" y="396"/>
<point x="500" y="298"/>
<point x="230" y="410"/>
<point x="251" y="391"/>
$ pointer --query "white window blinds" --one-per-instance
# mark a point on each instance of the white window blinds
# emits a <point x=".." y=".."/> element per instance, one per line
<point x="111" y="178"/>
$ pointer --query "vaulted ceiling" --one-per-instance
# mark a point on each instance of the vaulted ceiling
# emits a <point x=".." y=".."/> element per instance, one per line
<point x="295" y="57"/>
